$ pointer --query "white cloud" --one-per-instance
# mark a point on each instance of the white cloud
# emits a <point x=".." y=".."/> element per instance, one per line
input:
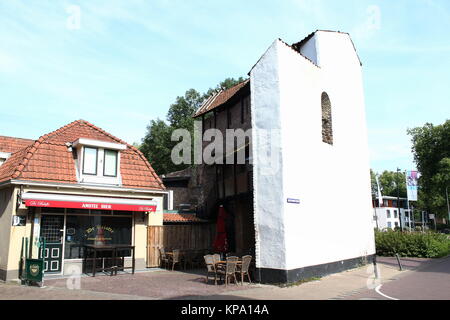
<point x="370" y="26"/>
<point x="9" y="63"/>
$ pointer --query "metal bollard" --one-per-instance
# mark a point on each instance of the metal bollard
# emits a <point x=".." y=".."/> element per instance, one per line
<point x="399" y="262"/>
<point x="375" y="267"/>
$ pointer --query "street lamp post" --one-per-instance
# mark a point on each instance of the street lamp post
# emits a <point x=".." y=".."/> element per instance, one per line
<point x="398" y="201"/>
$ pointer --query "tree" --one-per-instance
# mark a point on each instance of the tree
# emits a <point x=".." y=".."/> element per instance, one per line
<point x="157" y="145"/>
<point x="431" y="149"/>
<point x="388" y="184"/>
<point x="180" y="113"/>
<point x="373" y="183"/>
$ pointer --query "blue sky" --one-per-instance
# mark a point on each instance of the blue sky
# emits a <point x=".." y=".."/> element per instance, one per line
<point x="126" y="61"/>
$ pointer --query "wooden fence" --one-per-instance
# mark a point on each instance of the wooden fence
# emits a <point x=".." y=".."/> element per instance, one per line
<point x="194" y="237"/>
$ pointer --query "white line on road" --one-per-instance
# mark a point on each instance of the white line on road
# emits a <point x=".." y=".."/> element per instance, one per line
<point x="377" y="289"/>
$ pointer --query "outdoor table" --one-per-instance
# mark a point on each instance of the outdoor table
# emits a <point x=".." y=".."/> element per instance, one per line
<point x="239" y="262"/>
<point x="114" y="249"/>
<point x="117" y="256"/>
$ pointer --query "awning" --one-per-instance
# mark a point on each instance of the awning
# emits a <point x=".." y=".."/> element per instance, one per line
<point x="52" y="200"/>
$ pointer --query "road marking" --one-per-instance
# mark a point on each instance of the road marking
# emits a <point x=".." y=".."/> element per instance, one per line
<point x="377" y="289"/>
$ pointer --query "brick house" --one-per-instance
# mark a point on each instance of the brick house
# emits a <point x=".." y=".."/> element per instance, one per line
<point x="74" y="186"/>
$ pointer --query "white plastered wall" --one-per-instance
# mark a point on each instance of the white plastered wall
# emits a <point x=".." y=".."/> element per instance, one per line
<point x="268" y="183"/>
<point x="324" y="227"/>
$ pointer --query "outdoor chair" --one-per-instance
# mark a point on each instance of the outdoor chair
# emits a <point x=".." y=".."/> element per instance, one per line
<point x="230" y="270"/>
<point x="216" y="257"/>
<point x="243" y="270"/>
<point x="210" y="268"/>
<point x="175" y="258"/>
<point x="163" y="257"/>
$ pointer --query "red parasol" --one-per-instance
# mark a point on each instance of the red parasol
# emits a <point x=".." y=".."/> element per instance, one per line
<point x="220" y="243"/>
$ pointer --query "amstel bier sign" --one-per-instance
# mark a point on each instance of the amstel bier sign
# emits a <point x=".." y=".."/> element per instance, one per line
<point x="89" y="205"/>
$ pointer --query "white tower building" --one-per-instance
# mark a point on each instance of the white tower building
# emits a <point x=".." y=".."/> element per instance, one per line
<point x="310" y="151"/>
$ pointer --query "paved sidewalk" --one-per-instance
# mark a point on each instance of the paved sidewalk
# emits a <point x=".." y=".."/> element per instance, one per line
<point x="430" y="282"/>
<point x="181" y="285"/>
<point x="336" y="286"/>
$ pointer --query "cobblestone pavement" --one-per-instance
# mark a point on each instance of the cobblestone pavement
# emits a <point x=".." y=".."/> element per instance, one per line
<point x="159" y="284"/>
<point x="162" y="284"/>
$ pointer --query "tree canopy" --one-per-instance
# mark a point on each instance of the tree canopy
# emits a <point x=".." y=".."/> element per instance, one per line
<point x="431" y="148"/>
<point x="157" y="145"/>
<point x="388" y="184"/>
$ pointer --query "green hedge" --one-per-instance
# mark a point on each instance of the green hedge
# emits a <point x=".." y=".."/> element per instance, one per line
<point x="414" y="244"/>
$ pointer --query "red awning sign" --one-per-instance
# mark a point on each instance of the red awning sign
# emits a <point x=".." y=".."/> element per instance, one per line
<point x="88" y="205"/>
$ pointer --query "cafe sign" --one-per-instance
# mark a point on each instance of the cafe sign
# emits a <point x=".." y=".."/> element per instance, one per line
<point x="34" y="269"/>
<point x="99" y="234"/>
<point x="89" y="205"/>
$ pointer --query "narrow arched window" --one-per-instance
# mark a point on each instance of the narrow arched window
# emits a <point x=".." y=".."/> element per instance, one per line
<point x="327" y="122"/>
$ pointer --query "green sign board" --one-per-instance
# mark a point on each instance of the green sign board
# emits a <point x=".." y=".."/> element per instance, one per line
<point x="34" y="269"/>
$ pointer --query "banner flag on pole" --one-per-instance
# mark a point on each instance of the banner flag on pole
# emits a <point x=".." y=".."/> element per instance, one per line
<point x="412" y="178"/>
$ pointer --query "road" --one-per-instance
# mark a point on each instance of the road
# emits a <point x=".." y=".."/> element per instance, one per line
<point x="432" y="282"/>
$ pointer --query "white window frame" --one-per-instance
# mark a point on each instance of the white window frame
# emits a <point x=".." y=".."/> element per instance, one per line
<point x="116" y="163"/>
<point x="84" y="161"/>
<point x="99" y="177"/>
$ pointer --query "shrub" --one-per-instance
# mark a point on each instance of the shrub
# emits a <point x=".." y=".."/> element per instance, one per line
<point x="415" y="244"/>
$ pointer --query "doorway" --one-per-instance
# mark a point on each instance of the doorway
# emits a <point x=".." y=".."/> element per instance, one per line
<point x="52" y="230"/>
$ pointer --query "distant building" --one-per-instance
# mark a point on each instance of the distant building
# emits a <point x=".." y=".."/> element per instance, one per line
<point x="386" y="214"/>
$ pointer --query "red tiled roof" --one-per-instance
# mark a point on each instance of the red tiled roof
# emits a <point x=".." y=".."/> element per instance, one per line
<point x="220" y="98"/>
<point x="11" y="144"/>
<point x="48" y="159"/>
<point x="181" y="217"/>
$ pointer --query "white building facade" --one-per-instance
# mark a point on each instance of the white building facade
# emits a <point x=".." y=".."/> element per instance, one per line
<point x="310" y="148"/>
<point x="387" y="217"/>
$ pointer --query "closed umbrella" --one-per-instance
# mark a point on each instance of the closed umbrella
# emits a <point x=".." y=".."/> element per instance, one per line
<point x="220" y="243"/>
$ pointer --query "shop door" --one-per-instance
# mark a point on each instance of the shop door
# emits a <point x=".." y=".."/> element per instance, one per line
<point x="52" y="229"/>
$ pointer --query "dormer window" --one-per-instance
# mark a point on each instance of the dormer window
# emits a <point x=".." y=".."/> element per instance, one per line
<point x="3" y="157"/>
<point x="90" y="159"/>
<point x="110" y="163"/>
<point x="98" y="162"/>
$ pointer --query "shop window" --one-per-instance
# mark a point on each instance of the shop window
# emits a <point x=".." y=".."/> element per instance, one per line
<point x="95" y="229"/>
<point x="327" y="123"/>
<point x="90" y="157"/>
<point x="110" y="163"/>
